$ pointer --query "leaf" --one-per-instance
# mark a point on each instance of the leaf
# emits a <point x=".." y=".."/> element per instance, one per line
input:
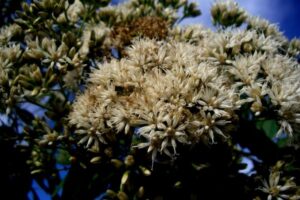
<point x="282" y="142"/>
<point x="269" y="127"/>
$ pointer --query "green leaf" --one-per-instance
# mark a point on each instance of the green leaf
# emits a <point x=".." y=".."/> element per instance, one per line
<point x="269" y="127"/>
<point x="63" y="157"/>
<point x="282" y="142"/>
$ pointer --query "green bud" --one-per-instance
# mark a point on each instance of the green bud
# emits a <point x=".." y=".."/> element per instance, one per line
<point x="25" y="7"/>
<point x="95" y="160"/>
<point x="111" y="193"/>
<point x="215" y="12"/>
<point x="51" y="80"/>
<point x="236" y="50"/>
<point x="178" y="184"/>
<point x="35" y="91"/>
<point x="227" y="14"/>
<point x="37" y="171"/>
<point x="124" y="179"/>
<point x="122" y="196"/>
<point x="37" y="163"/>
<point x="37" y="75"/>
<point x="140" y="192"/>
<point x="129" y="160"/>
<point x="43" y="14"/>
<point x="32" y="8"/>
<point x="72" y="52"/>
<point x="73" y="159"/>
<point x="37" y="20"/>
<point x="145" y="171"/>
<point x="116" y="163"/>
<point x="247" y="47"/>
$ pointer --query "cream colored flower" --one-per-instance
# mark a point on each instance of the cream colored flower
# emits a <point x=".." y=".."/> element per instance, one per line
<point x="194" y="34"/>
<point x="172" y="129"/>
<point x="120" y="119"/>
<point x="215" y="100"/>
<point x="246" y="68"/>
<point x="75" y="10"/>
<point x="263" y="26"/>
<point x="277" y="190"/>
<point x="8" y="32"/>
<point x="209" y="125"/>
<point x="154" y="144"/>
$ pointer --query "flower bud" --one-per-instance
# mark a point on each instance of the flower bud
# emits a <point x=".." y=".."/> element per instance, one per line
<point x="95" y="160"/>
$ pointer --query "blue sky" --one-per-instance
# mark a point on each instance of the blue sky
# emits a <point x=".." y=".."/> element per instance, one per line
<point x="285" y="13"/>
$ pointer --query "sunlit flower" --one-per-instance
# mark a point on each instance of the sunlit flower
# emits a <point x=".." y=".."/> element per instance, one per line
<point x="263" y="26"/>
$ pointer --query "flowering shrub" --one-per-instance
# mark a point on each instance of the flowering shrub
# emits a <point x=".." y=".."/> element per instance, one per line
<point x="133" y="106"/>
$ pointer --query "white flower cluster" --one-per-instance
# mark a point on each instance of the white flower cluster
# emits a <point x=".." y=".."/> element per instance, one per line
<point x="189" y="88"/>
<point x="163" y="90"/>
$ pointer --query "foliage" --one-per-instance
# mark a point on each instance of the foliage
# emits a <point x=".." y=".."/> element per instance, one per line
<point x="133" y="106"/>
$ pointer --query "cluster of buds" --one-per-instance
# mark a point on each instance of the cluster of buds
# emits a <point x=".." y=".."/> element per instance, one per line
<point x="227" y="14"/>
